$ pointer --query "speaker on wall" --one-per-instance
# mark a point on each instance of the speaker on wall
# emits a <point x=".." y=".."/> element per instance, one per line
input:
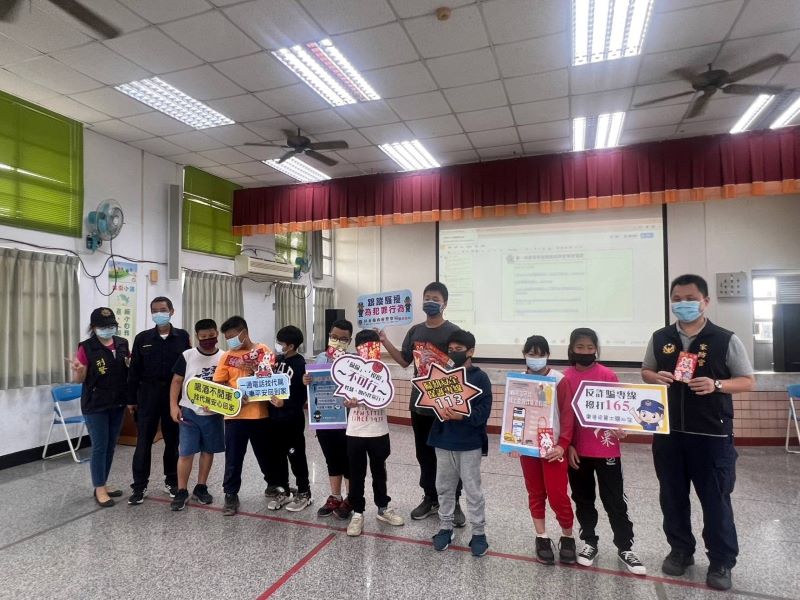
<point x="331" y="315"/>
<point x="174" y="232"/>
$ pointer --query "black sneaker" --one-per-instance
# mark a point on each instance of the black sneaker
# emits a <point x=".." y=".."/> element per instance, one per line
<point x="459" y="518"/>
<point x="632" y="562"/>
<point x="544" y="551"/>
<point x="566" y="550"/>
<point x="587" y="555"/>
<point x="170" y="490"/>
<point x="180" y="500"/>
<point x="719" y="578"/>
<point x="425" y="509"/>
<point x="231" y="505"/>
<point x="675" y="563"/>
<point x="200" y="493"/>
<point x="137" y="497"/>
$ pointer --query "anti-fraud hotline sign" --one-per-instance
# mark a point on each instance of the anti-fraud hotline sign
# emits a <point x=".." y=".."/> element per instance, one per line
<point x="637" y="407"/>
<point x="530" y="403"/>
<point x="214" y="397"/>
<point x="325" y="410"/>
<point x="384" y="309"/>
<point x="257" y="389"/>
<point x="367" y="381"/>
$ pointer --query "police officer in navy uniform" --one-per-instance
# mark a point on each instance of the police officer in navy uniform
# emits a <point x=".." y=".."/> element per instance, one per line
<point x="699" y="451"/>
<point x="155" y="352"/>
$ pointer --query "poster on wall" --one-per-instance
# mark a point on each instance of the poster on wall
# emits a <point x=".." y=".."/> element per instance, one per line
<point x="368" y="381"/>
<point x="528" y="412"/>
<point x="384" y="309"/>
<point x="124" y="287"/>
<point x="325" y="410"/>
<point x="636" y="407"/>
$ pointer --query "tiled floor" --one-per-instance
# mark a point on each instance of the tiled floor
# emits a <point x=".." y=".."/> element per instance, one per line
<point x="55" y="542"/>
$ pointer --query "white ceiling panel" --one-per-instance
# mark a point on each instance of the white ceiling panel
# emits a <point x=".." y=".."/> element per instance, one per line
<point x="233" y="135"/>
<point x="534" y="56"/>
<point x="738" y="53"/>
<point x="477" y="96"/>
<point x="367" y="114"/>
<point x="415" y="8"/>
<point x="271" y="129"/>
<point x="194" y="141"/>
<point x="120" y="131"/>
<point x="101" y="63"/>
<point x="419" y="106"/>
<point x="597" y="104"/>
<point x="161" y="11"/>
<point x="246" y="182"/>
<point x="224" y="172"/>
<point x="542" y="111"/>
<point x="457" y="157"/>
<point x="43" y="31"/>
<point x="49" y="72"/>
<point x="655" y="116"/>
<point x="275" y="23"/>
<point x="211" y="36"/>
<point x="448" y="143"/>
<point x="383" y="134"/>
<point x="693" y="128"/>
<point x="260" y="152"/>
<point x="158" y="146"/>
<point x="111" y="102"/>
<point x="643" y="93"/>
<point x="602" y="76"/>
<point x="293" y="99"/>
<point x="255" y="167"/>
<point x="488" y="118"/>
<point x="515" y="20"/>
<point x="353" y="138"/>
<point x="154" y="51"/>
<point x="496" y="137"/>
<point x="257" y="72"/>
<point x="692" y="26"/>
<point x="788" y="75"/>
<point x="382" y="46"/>
<point x="362" y="155"/>
<point x="541" y="86"/>
<point x="545" y="131"/>
<point x="465" y="68"/>
<point x="157" y="123"/>
<point x="112" y="11"/>
<point x="498" y="152"/>
<point x="321" y="121"/>
<point x="226" y="156"/>
<point x="761" y="17"/>
<point x="24" y="88"/>
<point x="243" y="108"/>
<point x="12" y="51"/>
<point x="722" y="106"/>
<point x="400" y="80"/>
<point x="434" y="126"/>
<point x="380" y="166"/>
<point x="647" y="134"/>
<point x="463" y="31"/>
<point x="203" y="83"/>
<point x="659" y="67"/>
<point x="563" y="144"/>
<point x="72" y="109"/>
<point x="339" y="16"/>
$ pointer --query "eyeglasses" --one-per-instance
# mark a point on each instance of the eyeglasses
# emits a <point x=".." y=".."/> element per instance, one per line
<point x="339" y="339"/>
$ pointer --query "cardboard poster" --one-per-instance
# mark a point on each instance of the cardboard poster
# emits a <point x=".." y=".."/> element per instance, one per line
<point x="367" y="381"/>
<point x="259" y="389"/>
<point x="528" y="410"/>
<point x="637" y="407"/>
<point x="122" y="281"/>
<point x="442" y="388"/>
<point x="214" y="397"/>
<point x="383" y="309"/>
<point x="325" y="410"/>
<point x="426" y="354"/>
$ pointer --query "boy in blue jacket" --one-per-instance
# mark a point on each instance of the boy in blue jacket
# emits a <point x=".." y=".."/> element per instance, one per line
<point x="458" y="441"/>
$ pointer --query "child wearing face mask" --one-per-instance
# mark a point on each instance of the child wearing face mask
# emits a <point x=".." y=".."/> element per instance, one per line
<point x="546" y="477"/>
<point x="596" y="453"/>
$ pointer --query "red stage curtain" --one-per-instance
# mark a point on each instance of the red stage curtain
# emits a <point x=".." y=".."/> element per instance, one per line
<point x="694" y="169"/>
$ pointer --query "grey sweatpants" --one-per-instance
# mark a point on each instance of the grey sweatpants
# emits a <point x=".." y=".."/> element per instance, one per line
<point x="464" y="465"/>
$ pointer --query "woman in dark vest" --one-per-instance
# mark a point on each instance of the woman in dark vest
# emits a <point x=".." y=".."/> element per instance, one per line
<point x="102" y="366"/>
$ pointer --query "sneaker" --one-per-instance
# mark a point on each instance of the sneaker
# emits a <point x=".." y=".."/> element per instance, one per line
<point x="180" y="500"/>
<point x="425" y="509"/>
<point x="632" y="562"/>
<point x="544" y="551"/>
<point x="356" y="525"/>
<point x="231" y="506"/>
<point x="566" y="550"/>
<point x="170" y="490"/>
<point x="441" y="541"/>
<point x="200" y="493"/>
<point x="479" y="545"/>
<point x="331" y="504"/>
<point x="389" y="516"/>
<point x="137" y="497"/>
<point x="675" y="563"/>
<point x="587" y="555"/>
<point x="272" y="491"/>
<point x="279" y="501"/>
<point x="299" y="502"/>
<point x="718" y="577"/>
<point x="344" y="510"/>
<point x="459" y="519"/>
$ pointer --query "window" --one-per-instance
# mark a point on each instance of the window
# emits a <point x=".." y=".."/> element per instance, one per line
<point x="327" y="252"/>
<point x="41" y="169"/>
<point x="290" y="246"/>
<point x="208" y="214"/>
<point x="764" y="296"/>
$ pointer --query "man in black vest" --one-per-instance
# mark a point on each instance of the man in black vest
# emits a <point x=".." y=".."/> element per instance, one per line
<point x="155" y="352"/>
<point x="699" y="450"/>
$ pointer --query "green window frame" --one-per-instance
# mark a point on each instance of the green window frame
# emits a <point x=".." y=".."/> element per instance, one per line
<point x="208" y="214"/>
<point x="41" y="168"/>
<point x="290" y="246"/>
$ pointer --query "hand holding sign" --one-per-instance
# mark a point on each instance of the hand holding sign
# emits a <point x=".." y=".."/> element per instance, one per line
<point x="367" y="381"/>
<point x="448" y="393"/>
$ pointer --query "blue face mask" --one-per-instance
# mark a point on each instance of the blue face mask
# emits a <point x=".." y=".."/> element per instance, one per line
<point x="161" y="318"/>
<point x="105" y="333"/>
<point x="234" y="343"/>
<point x="536" y="363"/>
<point x="686" y="310"/>
<point x="431" y="308"/>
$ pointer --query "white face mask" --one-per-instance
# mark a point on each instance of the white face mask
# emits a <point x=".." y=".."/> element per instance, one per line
<point x="536" y="363"/>
<point x="279" y="348"/>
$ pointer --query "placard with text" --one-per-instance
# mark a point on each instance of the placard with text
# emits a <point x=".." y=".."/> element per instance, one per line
<point x="325" y="409"/>
<point x="636" y="407"/>
<point x="384" y="309"/>
<point x="528" y="411"/>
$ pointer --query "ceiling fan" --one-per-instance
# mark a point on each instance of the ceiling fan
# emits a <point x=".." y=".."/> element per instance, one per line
<point x="713" y="80"/>
<point x="300" y="144"/>
<point x="74" y="8"/>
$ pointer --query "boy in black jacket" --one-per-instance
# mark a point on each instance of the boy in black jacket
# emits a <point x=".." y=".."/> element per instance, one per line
<point x="287" y="424"/>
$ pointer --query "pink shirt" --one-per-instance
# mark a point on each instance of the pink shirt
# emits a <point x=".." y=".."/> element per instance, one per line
<point x="588" y="441"/>
<point x="81" y="354"/>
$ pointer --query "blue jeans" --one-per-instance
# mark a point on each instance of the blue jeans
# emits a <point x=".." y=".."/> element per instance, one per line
<point x="103" y="430"/>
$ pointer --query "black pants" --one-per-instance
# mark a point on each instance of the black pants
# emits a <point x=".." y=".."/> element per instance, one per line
<point x="709" y="464"/>
<point x="426" y="455"/>
<point x="237" y="433"/>
<point x="334" y="448"/>
<point x="287" y="440"/>
<point x="612" y="495"/>
<point x="378" y="450"/>
<point x="153" y="408"/>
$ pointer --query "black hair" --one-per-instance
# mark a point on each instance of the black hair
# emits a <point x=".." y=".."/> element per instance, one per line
<point x="436" y="286"/>
<point x="367" y="335"/>
<point x="342" y="324"/>
<point x="536" y="343"/>
<point x="290" y="335"/>
<point x="583" y="332"/>
<point x="204" y="324"/>
<point x="233" y="323"/>
<point x="161" y="299"/>
<point x="464" y="338"/>
<point x="690" y="279"/>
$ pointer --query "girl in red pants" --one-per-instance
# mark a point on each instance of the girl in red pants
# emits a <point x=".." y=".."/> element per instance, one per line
<point x="546" y="477"/>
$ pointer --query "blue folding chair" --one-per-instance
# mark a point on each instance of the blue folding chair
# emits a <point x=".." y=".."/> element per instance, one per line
<point x="68" y="392"/>
<point x="794" y="394"/>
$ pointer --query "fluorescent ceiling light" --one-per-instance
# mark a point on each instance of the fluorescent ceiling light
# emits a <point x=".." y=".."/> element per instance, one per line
<point x="758" y="105"/>
<point x="325" y="70"/>
<point x="411" y="155"/>
<point x="787" y="116"/>
<point x="174" y="103"/>
<point x="608" y="29"/>
<point x="579" y="134"/>
<point x="294" y="167"/>
<point x="606" y="128"/>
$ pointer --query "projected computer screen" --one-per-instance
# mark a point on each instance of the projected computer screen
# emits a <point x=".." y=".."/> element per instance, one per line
<point x="512" y="278"/>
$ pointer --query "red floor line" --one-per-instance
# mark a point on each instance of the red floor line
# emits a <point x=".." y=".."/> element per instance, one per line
<point x="425" y="542"/>
<point x="296" y="567"/>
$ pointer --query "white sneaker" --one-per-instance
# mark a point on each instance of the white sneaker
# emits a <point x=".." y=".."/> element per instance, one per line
<point x="299" y="502"/>
<point x="279" y="501"/>
<point x="632" y="562"/>
<point x="391" y="517"/>
<point x="356" y="525"/>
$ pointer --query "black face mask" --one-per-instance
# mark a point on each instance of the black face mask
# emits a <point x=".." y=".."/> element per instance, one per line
<point x="459" y="357"/>
<point x="583" y="360"/>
